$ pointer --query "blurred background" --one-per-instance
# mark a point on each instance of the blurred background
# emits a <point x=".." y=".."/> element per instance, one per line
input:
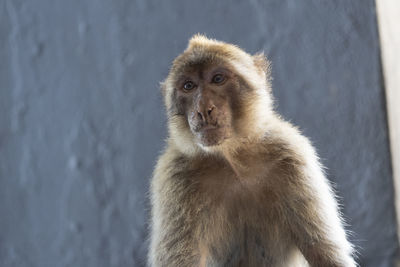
<point x="82" y="120"/>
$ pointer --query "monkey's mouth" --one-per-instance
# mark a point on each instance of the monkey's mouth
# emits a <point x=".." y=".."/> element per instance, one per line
<point x="210" y="135"/>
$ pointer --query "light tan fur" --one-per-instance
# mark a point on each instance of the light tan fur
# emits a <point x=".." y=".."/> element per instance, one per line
<point x="260" y="198"/>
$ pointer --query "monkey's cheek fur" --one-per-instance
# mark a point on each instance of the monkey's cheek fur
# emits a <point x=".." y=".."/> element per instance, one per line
<point x="212" y="137"/>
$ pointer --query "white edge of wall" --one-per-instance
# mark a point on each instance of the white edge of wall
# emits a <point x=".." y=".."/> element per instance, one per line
<point x="388" y="16"/>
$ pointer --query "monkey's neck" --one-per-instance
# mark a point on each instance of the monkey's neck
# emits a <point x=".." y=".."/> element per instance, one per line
<point x="238" y="168"/>
<point x="244" y="161"/>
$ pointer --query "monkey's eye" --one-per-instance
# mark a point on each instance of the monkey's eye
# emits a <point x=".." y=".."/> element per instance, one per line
<point x="188" y="86"/>
<point x="218" y="78"/>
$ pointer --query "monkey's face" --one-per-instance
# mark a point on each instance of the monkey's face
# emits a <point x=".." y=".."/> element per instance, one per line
<point x="216" y="94"/>
<point x="206" y="96"/>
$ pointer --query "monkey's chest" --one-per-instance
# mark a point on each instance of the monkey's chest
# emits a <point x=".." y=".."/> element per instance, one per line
<point x="243" y="227"/>
<point x="243" y="249"/>
<point x="248" y="246"/>
<point x="240" y="222"/>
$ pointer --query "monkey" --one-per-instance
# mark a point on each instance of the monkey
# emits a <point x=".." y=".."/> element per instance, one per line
<point x="237" y="185"/>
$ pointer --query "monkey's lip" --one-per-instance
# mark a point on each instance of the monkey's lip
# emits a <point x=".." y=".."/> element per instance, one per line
<point x="208" y="127"/>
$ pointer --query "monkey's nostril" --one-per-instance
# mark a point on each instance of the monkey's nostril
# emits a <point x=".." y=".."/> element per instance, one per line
<point x="199" y="116"/>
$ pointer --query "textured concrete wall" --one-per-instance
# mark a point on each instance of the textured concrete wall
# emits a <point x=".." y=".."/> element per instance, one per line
<point x="82" y="123"/>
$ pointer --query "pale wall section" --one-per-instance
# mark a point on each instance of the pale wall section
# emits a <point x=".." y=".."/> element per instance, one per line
<point x="389" y="32"/>
<point x="82" y="122"/>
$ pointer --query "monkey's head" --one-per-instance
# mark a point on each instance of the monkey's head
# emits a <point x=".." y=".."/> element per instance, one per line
<point x="216" y="94"/>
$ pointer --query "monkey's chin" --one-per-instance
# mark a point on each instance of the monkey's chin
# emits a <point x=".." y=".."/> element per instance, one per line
<point x="211" y="137"/>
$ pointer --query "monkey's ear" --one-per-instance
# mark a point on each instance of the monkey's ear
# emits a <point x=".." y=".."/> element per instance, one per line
<point x="262" y="63"/>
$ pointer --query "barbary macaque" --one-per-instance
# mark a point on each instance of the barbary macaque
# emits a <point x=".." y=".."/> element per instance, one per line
<point x="237" y="185"/>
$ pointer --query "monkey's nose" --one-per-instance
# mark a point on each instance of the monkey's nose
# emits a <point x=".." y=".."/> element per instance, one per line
<point x="206" y="116"/>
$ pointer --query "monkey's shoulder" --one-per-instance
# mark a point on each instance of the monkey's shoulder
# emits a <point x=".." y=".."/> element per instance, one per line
<point x="285" y="142"/>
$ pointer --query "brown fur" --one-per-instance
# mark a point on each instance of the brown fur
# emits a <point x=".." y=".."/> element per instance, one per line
<point x="251" y="194"/>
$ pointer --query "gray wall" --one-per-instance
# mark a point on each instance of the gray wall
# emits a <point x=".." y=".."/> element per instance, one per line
<point x="82" y="121"/>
